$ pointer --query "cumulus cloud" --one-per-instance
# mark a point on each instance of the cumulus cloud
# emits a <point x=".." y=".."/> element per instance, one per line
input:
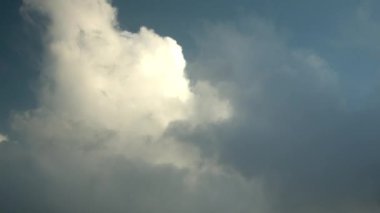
<point x="253" y="125"/>
<point x="98" y="139"/>
<point x="123" y="87"/>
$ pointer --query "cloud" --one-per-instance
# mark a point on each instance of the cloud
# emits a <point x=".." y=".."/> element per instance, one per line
<point x="125" y="88"/>
<point x="98" y="139"/>
<point x="76" y="181"/>
<point x="253" y="125"/>
<point x="294" y="128"/>
<point x="3" y="138"/>
<point x="361" y="29"/>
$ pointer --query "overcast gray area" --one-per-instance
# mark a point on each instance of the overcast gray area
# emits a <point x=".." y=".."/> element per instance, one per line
<point x="283" y="114"/>
<point x="296" y="129"/>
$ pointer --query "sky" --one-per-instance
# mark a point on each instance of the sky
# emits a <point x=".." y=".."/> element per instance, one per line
<point x="263" y="106"/>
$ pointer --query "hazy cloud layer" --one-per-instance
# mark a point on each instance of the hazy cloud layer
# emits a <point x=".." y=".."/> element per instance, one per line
<point x="295" y="128"/>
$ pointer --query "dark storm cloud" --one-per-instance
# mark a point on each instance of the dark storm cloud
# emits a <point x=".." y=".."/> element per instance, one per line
<point x="294" y="127"/>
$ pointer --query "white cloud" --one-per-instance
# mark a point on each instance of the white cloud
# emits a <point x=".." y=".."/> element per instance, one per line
<point x="3" y="138"/>
<point x="106" y="100"/>
<point x="104" y="84"/>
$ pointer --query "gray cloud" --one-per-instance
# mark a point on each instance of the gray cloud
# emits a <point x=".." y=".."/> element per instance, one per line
<point x="295" y="129"/>
<point x="77" y="181"/>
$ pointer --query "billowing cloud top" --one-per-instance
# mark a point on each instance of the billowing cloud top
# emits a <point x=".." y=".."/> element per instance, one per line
<point x="127" y="87"/>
